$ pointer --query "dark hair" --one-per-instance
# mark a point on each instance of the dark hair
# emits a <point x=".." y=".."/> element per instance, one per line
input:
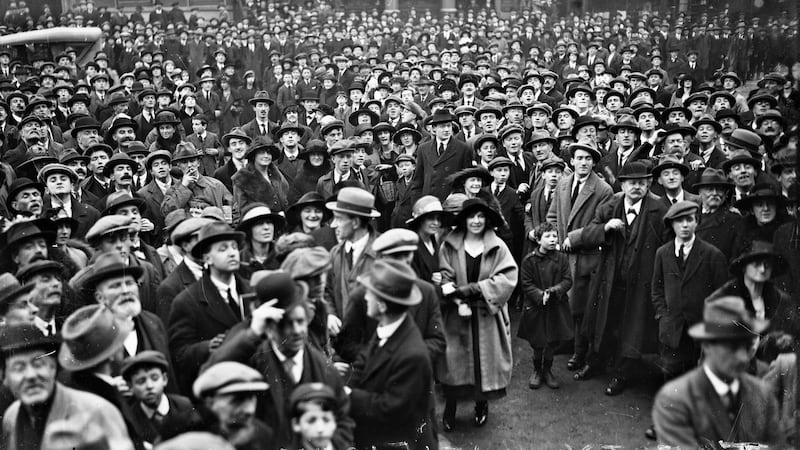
<point x="542" y="228"/>
<point x="300" y="407"/>
<point x="144" y="365"/>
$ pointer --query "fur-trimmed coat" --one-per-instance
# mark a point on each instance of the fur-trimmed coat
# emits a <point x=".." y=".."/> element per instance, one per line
<point x="249" y="186"/>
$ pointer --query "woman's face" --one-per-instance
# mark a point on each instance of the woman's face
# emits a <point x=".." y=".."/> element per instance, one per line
<point x="316" y="159"/>
<point x="263" y="158"/>
<point x="758" y="271"/>
<point x="764" y="211"/>
<point x="473" y="185"/>
<point x="476" y="223"/>
<point x="431" y="225"/>
<point x="311" y="217"/>
<point x="263" y="232"/>
<point x="63" y="235"/>
<point x="166" y="131"/>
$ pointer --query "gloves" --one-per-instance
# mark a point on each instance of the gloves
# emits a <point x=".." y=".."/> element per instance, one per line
<point x="468" y="290"/>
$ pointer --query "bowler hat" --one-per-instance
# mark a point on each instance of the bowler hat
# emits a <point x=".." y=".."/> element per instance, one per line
<point x="392" y="281"/>
<point x="278" y="285"/>
<point x="440" y="116"/>
<point x="355" y="202"/>
<point x="26" y="231"/>
<point x="214" y="232"/>
<point x="122" y="122"/>
<point x="670" y="162"/>
<point x="261" y="96"/>
<point x="626" y="122"/>
<point x="634" y="170"/>
<point x="91" y="335"/>
<point x="257" y="212"/>
<point x="147" y="358"/>
<point x="725" y="319"/>
<point x="228" y="377"/>
<point x="24" y="337"/>
<point x="706" y="119"/>
<point x="303" y="263"/>
<point x="758" y="251"/>
<point x="285" y="128"/>
<point x="237" y="133"/>
<point x="473" y="205"/>
<point x="680" y="209"/>
<point x="396" y="240"/>
<point x="85" y="123"/>
<point x="165" y="117"/>
<point x="120" y="159"/>
<point x="713" y="178"/>
<point x="740" y="157"/>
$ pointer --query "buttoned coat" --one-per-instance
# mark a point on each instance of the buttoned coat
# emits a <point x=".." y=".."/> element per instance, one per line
<point x="70" y="403"/>
<point x="720" y="229"/>
<point x="325" y="184"/>
<point x="570" y="220"/>
<point x="678" y="295"/>
<point x="392" y="387"/>
<point x="198" y="314"/>
<point x="342" y="281"/>
<point x="252" y="129"/>
<point x="688" y="413"/>
<point x="86" y="215"/>
<point x="546" y="324"/>
<point x="209" y="161"/>
<point x="432" y="171"/>
<point x="497" y="280"/>
<point x="642" y="241"/>
<point x="153" y="197"/>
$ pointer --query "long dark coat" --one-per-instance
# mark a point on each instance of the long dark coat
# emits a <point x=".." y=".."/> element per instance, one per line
<point x="643" y="239"/>
<point x="720" y="230"/>
<point x="249" y="186"/>
<point x="544" y="324"/>
<point x="432" y="171"/>
<point x="789" y="281"/>
<point x="778" y="307"/>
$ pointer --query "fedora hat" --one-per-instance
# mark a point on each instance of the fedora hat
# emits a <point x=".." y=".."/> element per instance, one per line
<point x="278" y="285"/>
<point x="441" y="116"/>
<point x="10" y="290"/>
<point x="26" y="272"/>
<point x="634" y="170"/>
<point x="19" y="185"/>
<point x="670" y="162"/>
<point x="473" y="205"/>
<point x="91" y="335"/>
<point x="355" y="202"/>
<point x="761" y="191"/>
<point x="158" y="154"/>
<point x="132" y="148"/>
<point x="109" y="265"/>
<point x="312" y="198"/>
<point x="120" y="159"/>
<point x="117" y="200"/>
<point x="25" y="231"/>
<point x="539" y="136"/>
<point x="595" y="153"/>
<point x="214" y="232"/>
<point x="676" y="108"/>
<point x="740" y="157"/>
<point x="85" y="123"/>
<point x="313" y="146"/>
<point x="237" y="133"/>
<point x="392" y="281"/>
<point x="23" y="337"/>
<point x="757" y="251"/>
<point x="303" y="263"/>
<point x="626" y="122"/>
<point x="185" y="151"/>
<point x="257" y="212"/>
<point x="683" y="130"/>
<point x="426" y="206"/>
<point x="460" y="177"/>
<point x="713" y="178"/>
<point x="727" y="318"/>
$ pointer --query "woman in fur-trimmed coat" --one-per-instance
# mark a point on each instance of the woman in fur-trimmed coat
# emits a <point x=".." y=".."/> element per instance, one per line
<point x="260" y="180"/>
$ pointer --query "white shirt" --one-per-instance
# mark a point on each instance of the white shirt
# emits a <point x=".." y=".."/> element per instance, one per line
<point x="224" y="288"/>
<point x="131" y="343"/>
<point x="264" y="124"/>
<point x="162" y="408"/>
<point x="45" y="327"/>
<point x="679" y="198"/>
<point x="575" y="181"/>
<point x="196" y="269"/>
<point x="624" y="155"/>
<point x="384" y="332"/>
<point x="357" y="247"/>
<point x="687" y="247"/>
<point x="636" y="207"/>
<point x="338" y="178"/>
<point x="442" y="144"/>
<point x="720" y="387"/>
<point x="56" y="204"/>
<point x="297" y="363"/>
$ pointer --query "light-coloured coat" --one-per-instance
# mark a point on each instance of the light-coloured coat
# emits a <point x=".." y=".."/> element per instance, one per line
<point x="497" y="280"/>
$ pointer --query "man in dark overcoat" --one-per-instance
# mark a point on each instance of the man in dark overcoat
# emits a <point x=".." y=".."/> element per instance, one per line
<point x="440" y="157"/>
<point x="717" y="224"/>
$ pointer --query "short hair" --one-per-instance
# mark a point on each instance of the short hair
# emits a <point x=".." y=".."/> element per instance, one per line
<point x="542" y="228"/>
<point x="202" y="119"/>
<point x="128" y="375"/>
<point x="300" y="408"/>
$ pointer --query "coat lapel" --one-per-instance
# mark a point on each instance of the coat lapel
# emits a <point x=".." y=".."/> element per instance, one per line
<point x="710" y="408"/>
<point x="380" y="355"/>
<point x="449" y="152"/>
<point x="694" y="259"/>
<point x="217" y="306"/>
<point x="583" y="197"/>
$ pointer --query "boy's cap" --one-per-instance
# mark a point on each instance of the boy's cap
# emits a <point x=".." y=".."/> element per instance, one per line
<point x="311" y="391"/>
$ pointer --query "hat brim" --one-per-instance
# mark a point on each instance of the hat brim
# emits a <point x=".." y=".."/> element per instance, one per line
<point x="278" y="220"/>
<point x="69" y="362"/>
<point x="135" y="201"/>
<point x="670" y="165"/>
<point x="493" y="216"/>
<point x="414" y="297"/>
<point x="249" y="386"/>
<point x="413" y="222"/>
<point x="373" y="214"/>
<point x="746" y="202"/>
<point x="200" y="246"/>
<point x="293" y="212"/>
<point x="112" y="272"/>
<point x="700" y="332"/>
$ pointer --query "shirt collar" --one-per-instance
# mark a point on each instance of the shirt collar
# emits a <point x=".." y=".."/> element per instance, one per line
<point x="196" y="269"/>
<point x="163" y="186"/>
<point x="357" y="246"/>
<point x="720" y="387"/>
<point x="636" y="206"/>
<point x="44" y="326"/>
<point x="297" y="358"/>
<point x="687" y="246"/>
<point x="223" y="287"/>
<point x="678" y="198"/>
<point x="162" y="408"/>
<point x="384" y="332"/>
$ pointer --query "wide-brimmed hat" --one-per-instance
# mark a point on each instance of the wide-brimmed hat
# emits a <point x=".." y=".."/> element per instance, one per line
<point x="473" y="205"/>
<point x="91" y="335"/>
<point x="726" y="319"/>
<point x="392" y="281"/>
<point x="257" y="212"/>
<point x="109" y="265"/>
<point x="24" y="337"/>
<point x="286" y="127"/>
<point x="228" y="377"/>
<point x="278" y="285"/>
<point x="406" y="128"/>
<point x="740" y="157"/>
<point x="713" y="177"/>
<point x="634" y="170"/>
<point x="312" y="198"/>
<point x="85" y="123"/>
<point x="263" y="143"/>
<point x="706" y="119"/>
<point x="166" y="117"/>
<point x="261" y="96"/>
<point x="595" y="153"/>
<point x="441" y="116"/>
<point x="25" y="231"/>
<point x="120" y="159"/>
<point x="684" y="130"/>
<point x="761" y="191"/>
<point x="237" y="133"/>
<point x="778" y="166"/>
<point x="353" y="117"/>
<point x="626" y="122"/>
<point x="757" y="251"/>
<point x="670" y="162"/>
<point x="132" y="148"/>
<point x="10" y="290"/>
<point x="185" y="151"/>
<point x="427" y="205"/>
<point x="214" y="232"/>
<point x="158" y="154"/>
<point x="117" y="200"/>
<point x="355" y="202"/>
<point x="459" y="178"/>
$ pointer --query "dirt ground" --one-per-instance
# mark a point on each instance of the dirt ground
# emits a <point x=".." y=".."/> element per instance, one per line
<point x="577" y="416"/>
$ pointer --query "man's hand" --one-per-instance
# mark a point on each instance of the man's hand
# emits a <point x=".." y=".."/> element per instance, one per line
<point x="190" y="177"/>
<point x="696" y="164"/>
<point x="334" y="325"/>
<point x="614" y="224"/>
<point x="216" y="341"/>
<point x="263" y="314"/>
<point x="146" y="225"/>
<point x="567" y="245"/>
<point x="448" y="289"/>
<point x="342" y="367"/>
<point x="212" y="151"/>
<point x="523" y="188"/>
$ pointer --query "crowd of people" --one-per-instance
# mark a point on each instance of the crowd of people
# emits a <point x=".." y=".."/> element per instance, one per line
<point x="290" y="227"/>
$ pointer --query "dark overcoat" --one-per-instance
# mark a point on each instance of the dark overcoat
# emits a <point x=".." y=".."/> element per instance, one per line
<point x="433" y="171"/>
<point x="551" y="323"/>
<point x="720" y="230"/>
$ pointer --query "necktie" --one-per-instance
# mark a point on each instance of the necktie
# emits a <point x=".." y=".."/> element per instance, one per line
<point x="674" y="200"/>
<point x="234" y="306"/>
<point x="575" y="192"/>
<point x="440" y="150"/>
<point x="732" y="404"/>
<point x="349" y="256"/>
<point x="681" y="257"/>
<point x="263" y="129"/>
<point x="497" y="191"/>
<point x="157" y="419"/>
<point x="288" y="365"/>
<point x="51" y="329"/>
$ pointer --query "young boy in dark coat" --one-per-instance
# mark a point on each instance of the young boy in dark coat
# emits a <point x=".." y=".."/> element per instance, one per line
<point x="546" y="319"/>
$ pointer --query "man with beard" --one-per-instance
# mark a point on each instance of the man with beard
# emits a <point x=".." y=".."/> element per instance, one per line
<point x="48" y="294"/>
<point x="204" y="312"/>
<point x="619" y="322"/>
<point x="59" y="201"/>
<point x="158" y="165"/>
<point x="30" y="362"/>
<point x="229" y="393"/>
<point x="98" y="183"/>
<point x="275" y="343"/>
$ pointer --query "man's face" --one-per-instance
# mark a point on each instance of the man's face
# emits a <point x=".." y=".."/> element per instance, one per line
<point x="582" y="100"/>
<point x="223" y="256"/>
<point x="586" y="132"/>
<point x="635" y="190"/>
<point x="31" y="376"/>
<point x="466" y="120"/>
<point x="97" y="162"/>
<point x="393" y="109"/>
<point x="728" y="359"/>
<point x="149" y="101"/>
<point x="513" y="143"/>
<point x="29" y="199"/>
<point x="121" y="295"/>
<point x="238" y="148"/>
<point x="770" y="127"/>
<point x="234" y="411"/>
<point x="684" y="226"/>
<point x="87" y="138"/>
<point x="17" y="105"/>
<point x="676" y="117"/>
<point x="159" y="169"/>
<point x="443" y="131"/>
<point x="542" y="150"/>
<point x="48" y="290"/>
<point x="551" y="176"/>
<point x="539" y="119"/>
<point x="697" y="108"/>
<point x="487" y="151"/>
<point x="501" y="174"/>
<point x="122" y="175"/>
<point x="342" y="162"/>
<point x="671" y="179"/>
<point x="333" y="136"/>
<point x="488" y="121"/>
<point x="712" y="197"/>
<point x="764" y="210"/>
<point x="647" y="121"/>
<point x="706" y="133"/>
<point x="344" y="225"/>
<point x="583" y="163"/>
<point x="787" y="177"/>
<point x="29" y="251"/>
<point x="743" y="175"/>
<point x="674" y="144"/>
<point x="315" y="425"/>
<point x="761" y="107"/>
<point x="613" y="103"/>
<point x="728" y="125"/>
<point x="564" y="121"/>
<point x="292" y="331"/>
<point x="147" y="385"/>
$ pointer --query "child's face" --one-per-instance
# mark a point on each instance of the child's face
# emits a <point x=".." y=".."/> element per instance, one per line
<point x="501" y="174"/>
<point x="315" y="426"/>
<point x="551" y="176"/>
<point x="548" y="241"/>
<point x="147" y="385"/>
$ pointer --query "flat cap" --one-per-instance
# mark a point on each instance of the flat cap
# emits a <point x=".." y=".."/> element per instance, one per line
<point x="188" y="227"/>
<point x="145" y="358"/>
<point x="228" y="377"/>
<point x="396" y="240"/>
<point x="108" y="224"/>
<point x="307" y="262"/>
<point x="680" y="209"/>
<point x="311" y="391"/>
